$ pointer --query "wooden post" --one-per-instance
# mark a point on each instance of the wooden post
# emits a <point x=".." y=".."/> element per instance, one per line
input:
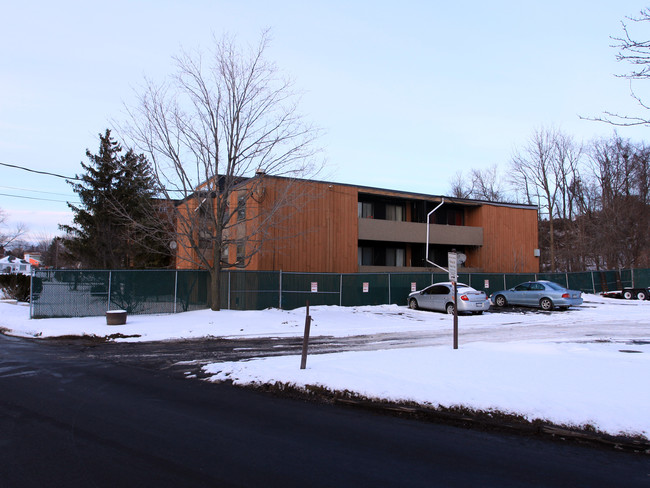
<point x="305" y="340"/>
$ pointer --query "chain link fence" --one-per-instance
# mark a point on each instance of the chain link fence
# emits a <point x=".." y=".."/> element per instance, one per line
<point x="81" y="293"/>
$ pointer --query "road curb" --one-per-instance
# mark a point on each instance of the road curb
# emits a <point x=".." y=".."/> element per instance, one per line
<point x="460" y="417"/>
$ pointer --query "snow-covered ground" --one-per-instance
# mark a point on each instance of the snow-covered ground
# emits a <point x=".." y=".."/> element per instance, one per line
<point x="588" y="366"/>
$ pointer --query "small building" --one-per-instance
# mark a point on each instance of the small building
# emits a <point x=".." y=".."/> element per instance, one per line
<point x="14" y="265"/>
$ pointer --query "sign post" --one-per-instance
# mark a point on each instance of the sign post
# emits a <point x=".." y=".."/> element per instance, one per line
<point x="452" y="258"/>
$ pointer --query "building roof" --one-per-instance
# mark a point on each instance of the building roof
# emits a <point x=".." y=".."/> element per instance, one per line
<point x="386" y="192"/>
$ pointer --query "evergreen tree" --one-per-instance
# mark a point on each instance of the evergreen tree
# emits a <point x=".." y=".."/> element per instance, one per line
<point x="110" y="225"/>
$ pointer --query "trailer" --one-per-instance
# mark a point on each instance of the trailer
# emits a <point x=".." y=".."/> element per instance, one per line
<point x="629" y="293"/>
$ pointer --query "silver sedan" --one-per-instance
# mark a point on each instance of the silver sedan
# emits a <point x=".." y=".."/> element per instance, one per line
<point x="440" y="297"/>
<point x="544" y="294"/>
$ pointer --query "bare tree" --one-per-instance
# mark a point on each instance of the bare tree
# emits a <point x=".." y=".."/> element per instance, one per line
<point x="620" y="169"/>
<point x="533" y="175"/>
<point x="483" y="184"/>
<point x="215" y="132"/>
<point x="636" y="52"/>
<point x="9" y="237"/>
<point x="487" y="184"/>
<point x="460" y="186"/>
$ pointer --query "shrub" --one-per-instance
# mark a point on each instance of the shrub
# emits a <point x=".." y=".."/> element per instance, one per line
<point x="17" y="287"/>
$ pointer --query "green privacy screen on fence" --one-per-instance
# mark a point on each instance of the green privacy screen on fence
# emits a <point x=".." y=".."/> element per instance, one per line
<point x="80" y="293"/>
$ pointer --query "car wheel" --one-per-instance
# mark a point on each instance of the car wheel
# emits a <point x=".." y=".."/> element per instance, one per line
<point x="500" y="301"/>
<point x="627" y="294"/>
<point x="450" y="308"/>
<point x="413" y="304"/>
<point x="546" y="304"/>
<point x="642" y="295"/>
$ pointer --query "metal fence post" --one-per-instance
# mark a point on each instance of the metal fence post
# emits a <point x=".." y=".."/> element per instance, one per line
<point x="593" y="283"/>
<point x="175" y="290"/>
<point x="31" y="294"/>
<point x="229" y="291"/>
<point x="505" y="287"/>
<point x="340" y="289"/>
<point x="280" y="291"/>
<point x="110" y="277"/>
<point x="389" y="301"/>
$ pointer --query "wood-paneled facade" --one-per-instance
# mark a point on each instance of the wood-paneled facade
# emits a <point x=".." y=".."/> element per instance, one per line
<point x="332" y="227"/>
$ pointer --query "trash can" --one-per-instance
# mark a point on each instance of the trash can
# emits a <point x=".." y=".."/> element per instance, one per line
<point x="116" y="317"/>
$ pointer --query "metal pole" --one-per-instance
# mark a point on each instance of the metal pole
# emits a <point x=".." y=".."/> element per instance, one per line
<point x="426" y="250"/>
<point x="229" y="298"/>
<point x="175" y="290"/>
<point x="110" y="277"/>
<point x="389" y="302"/>
<point x="280" y="292"/>
<point x="31" y="294"/>
<point x="567" y="279"/>
<point x="593" y="283"/>
<point x="455" y="317"/>
<point x="341" y="290"/>
<point x="305" y="340"/>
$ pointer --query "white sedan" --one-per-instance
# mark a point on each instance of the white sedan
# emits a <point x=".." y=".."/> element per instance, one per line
<point x="440" y="297"/>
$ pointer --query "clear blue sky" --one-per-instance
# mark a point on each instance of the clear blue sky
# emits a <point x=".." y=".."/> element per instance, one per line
<point x="407" y="92"/>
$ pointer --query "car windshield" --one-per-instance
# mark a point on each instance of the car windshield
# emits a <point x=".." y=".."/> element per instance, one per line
<point x="555" y="286"/>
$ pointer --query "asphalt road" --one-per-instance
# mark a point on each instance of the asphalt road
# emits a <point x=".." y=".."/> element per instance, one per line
<point x="70" y="418"/>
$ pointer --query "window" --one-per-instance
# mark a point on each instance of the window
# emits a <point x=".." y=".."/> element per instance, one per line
<point x="365" y="256"/>
<point x="437" y="290"/>
<point x="241" y="253"/>
<point x="395" y="256"/>
<point x="224" y="253"/>
<point x="395" y="212"/>
<point x="379" y="255"/>
<point x="205" y="240"/>
<point x="366" y="210"/>
<point x="241" y="206"/>
<point x="382" y="210"/>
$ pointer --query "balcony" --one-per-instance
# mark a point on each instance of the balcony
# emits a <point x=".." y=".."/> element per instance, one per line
<point x="413" y="232"/>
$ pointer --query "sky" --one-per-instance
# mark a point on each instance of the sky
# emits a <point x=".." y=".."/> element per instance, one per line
<point x="407" y="93"/>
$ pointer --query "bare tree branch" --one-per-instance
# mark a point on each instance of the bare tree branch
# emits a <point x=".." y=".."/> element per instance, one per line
<point x="637" y="53"/>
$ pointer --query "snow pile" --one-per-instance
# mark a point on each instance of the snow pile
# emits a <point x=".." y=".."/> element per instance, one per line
<point x="593" y="384"/>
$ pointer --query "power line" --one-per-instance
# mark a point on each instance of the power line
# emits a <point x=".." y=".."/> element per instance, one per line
<point x="39" y="172"/>
<point x="47" y="173"/>
<point x="34" y="191"/>
<point x="33" y="198"/>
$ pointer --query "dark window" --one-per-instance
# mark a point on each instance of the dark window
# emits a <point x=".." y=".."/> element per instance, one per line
<point x="205" y="240"/>
<point x="241" y="253"/>
<point x="382" y="209"/>
<point x="366" y="210"/>
<point x="241" y="206"/>
<point x="381" y="255"/>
